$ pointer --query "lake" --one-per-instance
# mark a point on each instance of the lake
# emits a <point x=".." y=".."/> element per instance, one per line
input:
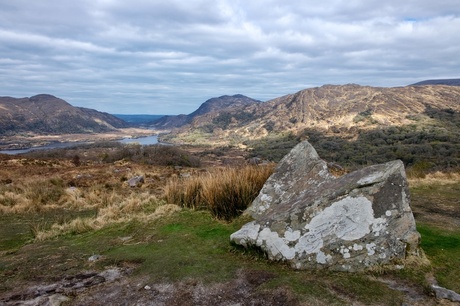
<point x="148" y="140"/>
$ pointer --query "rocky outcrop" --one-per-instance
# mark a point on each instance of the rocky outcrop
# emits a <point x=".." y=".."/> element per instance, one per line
<point x="311" y="219"/>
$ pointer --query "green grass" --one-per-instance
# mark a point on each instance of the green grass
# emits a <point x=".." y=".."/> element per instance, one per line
<point x="443" y="249"/>
<point x="189" y="245"/>
<point x="19" y="229"/>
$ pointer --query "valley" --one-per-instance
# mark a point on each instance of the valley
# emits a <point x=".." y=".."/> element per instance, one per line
<point x="110" y="223"/>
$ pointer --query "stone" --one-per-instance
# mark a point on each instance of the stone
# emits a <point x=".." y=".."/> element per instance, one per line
<point x="95" y="257"/>
<point x="443" y="293"/>
<point x="136" y="181"/>
<point x="311" y="219"/>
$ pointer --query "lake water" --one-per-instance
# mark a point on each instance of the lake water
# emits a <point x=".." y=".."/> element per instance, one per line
<point x="148" y="140"/>
<point x="145" y="141"/>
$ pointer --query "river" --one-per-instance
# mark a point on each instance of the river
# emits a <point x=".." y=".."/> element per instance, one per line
<point x="148" y="140"/>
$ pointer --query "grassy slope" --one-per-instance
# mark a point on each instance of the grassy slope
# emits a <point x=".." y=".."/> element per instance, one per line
<point x="186" y="245"/>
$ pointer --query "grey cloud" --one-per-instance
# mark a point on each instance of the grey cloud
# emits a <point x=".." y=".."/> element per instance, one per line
<point x="170" y="56"/>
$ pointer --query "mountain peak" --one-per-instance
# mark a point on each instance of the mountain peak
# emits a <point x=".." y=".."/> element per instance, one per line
<point x="47" y="114"/>
<point x="42" y="96"/>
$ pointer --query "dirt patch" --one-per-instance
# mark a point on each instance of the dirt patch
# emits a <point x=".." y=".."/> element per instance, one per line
<point x="116" y="287"/>
<point x="243" y="290"/>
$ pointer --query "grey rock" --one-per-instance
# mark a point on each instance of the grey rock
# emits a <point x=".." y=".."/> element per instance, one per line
<point x="136" y="181"/>
<point x="443" y="293"/>
<point x="95" y="257"/>
<point x="307" y="217"/>
<point x="57" y="299"/>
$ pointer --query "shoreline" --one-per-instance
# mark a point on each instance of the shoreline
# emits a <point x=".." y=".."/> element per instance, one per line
<point x="31" y="141"/>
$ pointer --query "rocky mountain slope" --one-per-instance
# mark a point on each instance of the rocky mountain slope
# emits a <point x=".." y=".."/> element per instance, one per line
<point x="46" y="114"/>
<point x="331" y="109"/>
<point x="211" y="106"/>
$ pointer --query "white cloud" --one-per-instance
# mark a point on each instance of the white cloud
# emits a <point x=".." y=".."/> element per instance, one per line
<point x="170" y="56"/>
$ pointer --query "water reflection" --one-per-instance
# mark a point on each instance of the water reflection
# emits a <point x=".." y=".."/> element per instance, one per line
<point x="148" y="140"/>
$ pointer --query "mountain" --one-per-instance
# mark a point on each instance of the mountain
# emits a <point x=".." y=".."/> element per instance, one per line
<point x="330" y="108"/>
<point x="450" y="82"/>
<point x="46" y="114"/>
<point x="209" y="108"/>
<point x="349" y="125"/>
<point x="137" y="119"/>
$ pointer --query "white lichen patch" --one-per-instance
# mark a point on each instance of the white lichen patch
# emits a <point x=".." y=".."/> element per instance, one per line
<point x="348" y="219"/>
<point x="290" y="235"/>
<point x="379" y="225"/>
<point x="274" y="245"/>
<point x="322" y="258"/>
<point x="370" y="248"/>
<point x="345" y="252"/>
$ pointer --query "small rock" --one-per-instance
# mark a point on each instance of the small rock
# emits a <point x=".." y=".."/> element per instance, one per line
<point x="111" y="274"/>
<point x="57" y="299"/>
<point x="136" y="180"/>
<point x="147" y="287"/>
<point x="94" y="258"/>
<point x="443" y="293"/>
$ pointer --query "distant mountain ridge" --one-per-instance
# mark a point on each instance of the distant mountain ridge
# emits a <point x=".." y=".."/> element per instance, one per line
<point x="47" y="114"/>
<point x="449" y="82"/>
<point x="138" y="119"/>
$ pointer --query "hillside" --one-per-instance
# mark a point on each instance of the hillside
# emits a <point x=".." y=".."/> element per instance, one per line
<point x="214" y="105"/>
<point x="365" y="124"/>
<point x="331" y="109"/>
<point x="46" y="114"/>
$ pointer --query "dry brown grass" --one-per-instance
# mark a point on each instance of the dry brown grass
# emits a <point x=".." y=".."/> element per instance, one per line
<point x="34" y="186"/>
<point x="226" y="192"/>
<point x="440" y="178"/>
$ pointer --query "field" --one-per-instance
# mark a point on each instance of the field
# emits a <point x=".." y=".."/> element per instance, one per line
<point x="74" y="230"/>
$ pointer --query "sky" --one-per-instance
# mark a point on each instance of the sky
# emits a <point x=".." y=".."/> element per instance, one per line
<point x="168" y="57"/>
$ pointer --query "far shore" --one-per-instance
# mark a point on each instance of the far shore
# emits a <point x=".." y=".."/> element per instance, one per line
<point x="30" y="140"/>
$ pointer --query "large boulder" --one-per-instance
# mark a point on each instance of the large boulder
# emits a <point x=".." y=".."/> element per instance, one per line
<point x="311" y="219"/>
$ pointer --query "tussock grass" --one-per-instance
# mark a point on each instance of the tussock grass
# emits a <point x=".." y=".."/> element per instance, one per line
<point x="225" y="192"/>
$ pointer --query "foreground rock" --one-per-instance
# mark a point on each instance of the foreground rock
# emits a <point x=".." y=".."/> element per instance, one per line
<point x="310" y="219"/>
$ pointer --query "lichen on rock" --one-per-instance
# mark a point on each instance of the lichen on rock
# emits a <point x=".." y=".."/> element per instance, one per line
<point x="311" y="219"/>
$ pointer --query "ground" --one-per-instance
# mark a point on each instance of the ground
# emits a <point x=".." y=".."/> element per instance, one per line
<point x="183" y="257"/>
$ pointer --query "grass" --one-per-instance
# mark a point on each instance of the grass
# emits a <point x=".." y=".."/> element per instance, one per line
<point x="44" y="240"/>
<point x="187" y="245"/>
<point x="443" y="249"/>
<point x="225" y="192"/>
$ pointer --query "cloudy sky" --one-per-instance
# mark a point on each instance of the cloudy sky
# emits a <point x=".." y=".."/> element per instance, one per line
<point x="168" y="57"/>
